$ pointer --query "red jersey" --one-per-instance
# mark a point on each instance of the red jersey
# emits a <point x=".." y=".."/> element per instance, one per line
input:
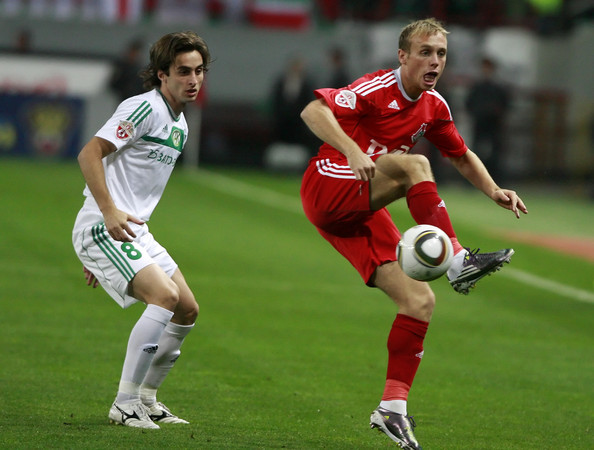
<point x="380" y="117"/>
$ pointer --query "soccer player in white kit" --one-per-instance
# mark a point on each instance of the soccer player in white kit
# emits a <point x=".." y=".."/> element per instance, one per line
<point x="126" y="166"/>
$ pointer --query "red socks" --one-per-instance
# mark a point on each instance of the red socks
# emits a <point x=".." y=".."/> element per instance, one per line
<point x="405" y="350"/>
<point x="427" y="207"/>
<point x="405" y="341"/>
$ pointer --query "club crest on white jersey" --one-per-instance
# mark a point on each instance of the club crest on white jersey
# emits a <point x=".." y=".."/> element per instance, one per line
<point x="125" y="129"/>
<point x="346" y="99"/>
<point x="176" y="137"/>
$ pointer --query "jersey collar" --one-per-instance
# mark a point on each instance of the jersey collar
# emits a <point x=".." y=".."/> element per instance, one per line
<point x="171" y="112"/>
<point x="401" y="87"/>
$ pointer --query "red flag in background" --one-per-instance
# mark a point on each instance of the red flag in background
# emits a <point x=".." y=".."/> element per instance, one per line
<point x="293" y="14"/>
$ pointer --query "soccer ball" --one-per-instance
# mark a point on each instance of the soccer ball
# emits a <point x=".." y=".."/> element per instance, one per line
<point x="425" y="252"/>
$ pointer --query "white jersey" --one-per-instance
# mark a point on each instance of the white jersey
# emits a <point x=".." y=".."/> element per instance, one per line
<point x="149" y="139"/>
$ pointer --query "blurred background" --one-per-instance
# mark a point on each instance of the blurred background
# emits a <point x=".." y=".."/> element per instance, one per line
<point x="65" y="65"/>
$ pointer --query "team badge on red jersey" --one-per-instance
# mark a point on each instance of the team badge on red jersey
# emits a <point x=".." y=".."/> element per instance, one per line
<point x="419" y="134"/>
<point x="346" y="99"/>
<point x="125" y="130"/>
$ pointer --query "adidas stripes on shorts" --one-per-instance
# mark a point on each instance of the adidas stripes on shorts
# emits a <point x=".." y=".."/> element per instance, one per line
<point x="115" y="263"/>
<point x="338" y="205"/>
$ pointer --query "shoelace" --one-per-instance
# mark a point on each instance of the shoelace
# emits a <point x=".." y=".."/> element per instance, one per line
<point x="413" y="424"/>
<point x="471" y="257"/>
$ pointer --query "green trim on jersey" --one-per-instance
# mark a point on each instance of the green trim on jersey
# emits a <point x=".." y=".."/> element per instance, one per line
<point x="171" y="113"/>
<point x="101" y="238"/>
<point x="140" y="113"/>
<point x="174" y="141"/>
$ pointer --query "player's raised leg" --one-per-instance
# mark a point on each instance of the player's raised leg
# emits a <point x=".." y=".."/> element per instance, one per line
<point x="410" y="175"/>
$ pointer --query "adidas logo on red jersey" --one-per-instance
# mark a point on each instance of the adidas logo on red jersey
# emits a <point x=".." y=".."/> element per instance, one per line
<point x="394" y="105"/>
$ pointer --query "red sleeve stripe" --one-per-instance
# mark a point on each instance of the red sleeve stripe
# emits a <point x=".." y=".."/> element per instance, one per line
<point x="443" y="100"/>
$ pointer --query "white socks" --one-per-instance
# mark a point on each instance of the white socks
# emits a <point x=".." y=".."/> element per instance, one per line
<point x="169" y="350"/>
<point x="142" y="347"/>
<point x="457" y="263"/>
<point x="397" y="406"/>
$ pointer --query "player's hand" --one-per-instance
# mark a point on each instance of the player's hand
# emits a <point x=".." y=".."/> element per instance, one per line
<point x="508" y="199"/>
<point x="362" y="166"/>
<point x="117" y="224"/>
<point x="91" y="280"/>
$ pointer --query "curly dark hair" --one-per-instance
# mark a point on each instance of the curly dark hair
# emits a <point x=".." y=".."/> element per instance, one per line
<point x="164" y="51"/>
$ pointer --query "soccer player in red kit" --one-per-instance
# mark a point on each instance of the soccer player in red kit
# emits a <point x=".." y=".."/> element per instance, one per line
<point x="368" y="129"/>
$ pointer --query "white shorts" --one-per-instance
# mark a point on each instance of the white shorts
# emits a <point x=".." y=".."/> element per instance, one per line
<point x="115" y="263"/>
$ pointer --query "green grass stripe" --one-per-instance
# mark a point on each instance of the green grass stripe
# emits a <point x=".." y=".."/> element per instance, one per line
<point x="101" y="238"/>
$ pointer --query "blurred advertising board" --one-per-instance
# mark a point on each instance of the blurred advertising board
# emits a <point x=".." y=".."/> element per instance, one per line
<point x="40" y="125"/>
<point x="45" y="104"/>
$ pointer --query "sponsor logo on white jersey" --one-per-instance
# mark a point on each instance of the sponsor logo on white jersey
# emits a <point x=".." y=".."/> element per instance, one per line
<point x="346" y="99"/>
<point x="393" y="105"/>
<point x="125" y="130"/>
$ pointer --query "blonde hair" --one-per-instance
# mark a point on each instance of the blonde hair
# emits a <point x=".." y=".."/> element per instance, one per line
<point x="423" y="27"/>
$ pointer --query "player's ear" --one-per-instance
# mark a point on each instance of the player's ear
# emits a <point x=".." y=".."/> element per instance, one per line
<point x="161" y="75"/>
<point x="402" y="56"/>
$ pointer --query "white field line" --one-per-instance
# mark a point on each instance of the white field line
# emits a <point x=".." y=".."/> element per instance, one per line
<point x="288" y="203"/>
<point x="549" y="285"/>
<point x="250" y="192"/>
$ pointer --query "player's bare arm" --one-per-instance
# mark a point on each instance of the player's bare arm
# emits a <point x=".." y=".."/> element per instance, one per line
<point x="89" y="159"/>
<point x="320" y="120"/>
<point x="473" y="169"/>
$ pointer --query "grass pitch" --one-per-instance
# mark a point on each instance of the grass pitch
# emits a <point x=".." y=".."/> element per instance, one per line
<point x="289" y="350"/>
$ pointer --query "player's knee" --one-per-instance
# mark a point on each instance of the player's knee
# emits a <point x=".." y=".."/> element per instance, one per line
<point x="426" y="303"/>
<point x="187" y="309"/>
<point x="418" y="166"/>
<point x="421" y="304"/>
<point x="190" y="314"/>
<point x="166" y="296"/>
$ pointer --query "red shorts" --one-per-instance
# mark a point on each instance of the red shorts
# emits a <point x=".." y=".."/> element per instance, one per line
<point x="338" y="205"/>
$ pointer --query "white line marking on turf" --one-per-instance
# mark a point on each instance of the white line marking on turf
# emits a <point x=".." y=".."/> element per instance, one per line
<point x="288" y="203"/>
<point x="549" y="285"/>
<point x="248" y="191"/>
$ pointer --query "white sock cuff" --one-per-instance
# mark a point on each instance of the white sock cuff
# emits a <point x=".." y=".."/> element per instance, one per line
<point x="179" y="331"/>
<point x="397" y="406"/>
<point x="127" y="387"/>
<point x="158" y="314"/>
<point x="457" y="263"/>
<point x="148" y="391"/>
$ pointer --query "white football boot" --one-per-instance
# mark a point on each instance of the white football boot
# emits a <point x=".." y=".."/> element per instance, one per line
<point x="158" y="412"/>
<point x="133" y="414"/>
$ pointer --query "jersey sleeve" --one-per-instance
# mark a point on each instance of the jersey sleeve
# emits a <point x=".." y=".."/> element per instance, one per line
<point x="344" y="103"/>
<point x="128" y="123"/>
<point x="444" y="134"/>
